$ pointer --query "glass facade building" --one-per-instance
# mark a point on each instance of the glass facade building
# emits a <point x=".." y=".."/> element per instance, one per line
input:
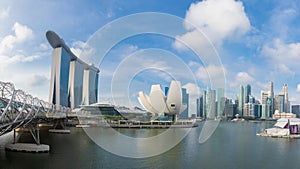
<point x="185" y="100"/>
<point x="73" y="82"/>
<point x="241" y="101"/>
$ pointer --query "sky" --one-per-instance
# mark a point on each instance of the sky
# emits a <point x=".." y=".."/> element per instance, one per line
<point x="256" y="41"/>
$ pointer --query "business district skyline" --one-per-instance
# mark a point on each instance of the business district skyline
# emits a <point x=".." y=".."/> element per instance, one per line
<point x="214" y="104"/>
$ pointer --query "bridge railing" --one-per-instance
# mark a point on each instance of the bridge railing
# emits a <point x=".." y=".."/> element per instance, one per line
<point x="18" y="108"/>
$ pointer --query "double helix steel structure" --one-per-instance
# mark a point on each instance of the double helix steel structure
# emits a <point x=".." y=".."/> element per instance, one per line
<point x="19" y="109"/>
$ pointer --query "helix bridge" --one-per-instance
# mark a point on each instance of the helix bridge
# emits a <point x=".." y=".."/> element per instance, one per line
<point x="19" y="109"/>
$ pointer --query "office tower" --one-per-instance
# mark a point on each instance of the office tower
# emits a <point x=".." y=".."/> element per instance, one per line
<point x="185" y="101"/>
<point x="241" y="101"/>
<point x="270" y="90"/>
<point x="210" y="103"/>
<point x="73" y="82"/>
<point x="257" y="110"/>
<point x="249" y="110"/>
<point x="263" y="97"/>
<point x="249" y="107"/>
<point x="279" y="103"/>
<point x="296" y="110"/>
<point x="220" y="102"/>
<point x="286" y="99"/>
<point x="247" y="93"/>
<point x="204" y="104"/>
<point x="265" y="112"/>
<point x="252" y="99"/>
<point x="230" y="109"/>
<point x="271" y="97"/>
<point x="200" y="106"/>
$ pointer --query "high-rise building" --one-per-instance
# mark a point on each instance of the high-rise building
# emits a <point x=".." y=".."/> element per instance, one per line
<point x="241" y="100"/>
<point x="230" y="109"/>
<point x="247" y="93"/>
<point x="210" y="103"/>
<point x="185" y="100"/>
<point x="263" y="97"/>
<point x="204" y="105"/>
<point x="296" y="110"/>
<point x="270" y="90"/>
<point x="271" y="97"/>
<point x="200" y="106"/>
<point x="73" y="82"/>
<point x="286" y="98"/>
<point x="279" y="103"/>
<point x="257" y="110"/>
<point x="249" y="107"/>
<point x="220" y="102"/>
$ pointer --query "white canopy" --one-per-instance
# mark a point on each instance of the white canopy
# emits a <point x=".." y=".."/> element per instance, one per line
<point x="284" y="121"/>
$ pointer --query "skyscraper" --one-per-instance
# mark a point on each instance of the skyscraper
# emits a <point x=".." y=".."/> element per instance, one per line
<point x="220" y="102"/>
<point x="241" y="100"/>
<point x="200" y="106"/>
<point x="279" y="102"/>
<point x="210" y="103"/>
<point x="247" y="93"/>
<point x="286" y="98"/>
<point x="204" y="104"/>
<point x="267" y="101"/>
<point x="271" y="97"/>
<point x="73" y="82"/>
<point x="185" y="100"/>
<point x="296" y="110"/>
<point x="249" y="107"/>
<point x="263" y="97"/>
<point x="270" y="90"/>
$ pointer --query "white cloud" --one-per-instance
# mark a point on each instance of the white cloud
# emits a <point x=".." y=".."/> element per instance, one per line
<point x="21" y="34"/>
<point x="282" y="68"/>
<point x="44" y="46"/>
<point x="242" y="78"/>
<point x="83" y="51"/>
<point x="279" y="52"/>
<point x="282" y="57"/>
<point x="7" y="60"/>
<point x="39" y="80"/>
<point x="212" y="73"/>
<point x="217" y="19"/>
<point x="193" y="64"/>
<point x="282" y="20"/>
<point x="9" y="53"/>
<point x="192" y="89"/>
<point x="262" y="86"/>
<point x="4" y="13"/>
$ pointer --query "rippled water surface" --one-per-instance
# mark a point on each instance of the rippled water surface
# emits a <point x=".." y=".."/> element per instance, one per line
<point x="233" y="145"/>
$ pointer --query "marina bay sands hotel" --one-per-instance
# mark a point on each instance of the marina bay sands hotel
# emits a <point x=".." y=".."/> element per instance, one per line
<point x="73" y="82"/>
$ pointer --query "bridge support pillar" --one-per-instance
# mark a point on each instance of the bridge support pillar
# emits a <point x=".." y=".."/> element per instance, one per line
<point x="28" y="147"/>
<point x="59" y="127"/>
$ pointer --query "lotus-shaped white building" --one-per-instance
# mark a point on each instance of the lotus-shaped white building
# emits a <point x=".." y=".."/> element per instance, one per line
<point x="158" y="104"/>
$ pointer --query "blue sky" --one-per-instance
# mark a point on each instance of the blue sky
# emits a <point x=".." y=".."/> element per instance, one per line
<point x="257" y="40"/>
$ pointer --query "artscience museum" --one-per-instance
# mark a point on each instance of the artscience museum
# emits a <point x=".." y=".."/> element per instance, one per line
<point x="160" y="105"/>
